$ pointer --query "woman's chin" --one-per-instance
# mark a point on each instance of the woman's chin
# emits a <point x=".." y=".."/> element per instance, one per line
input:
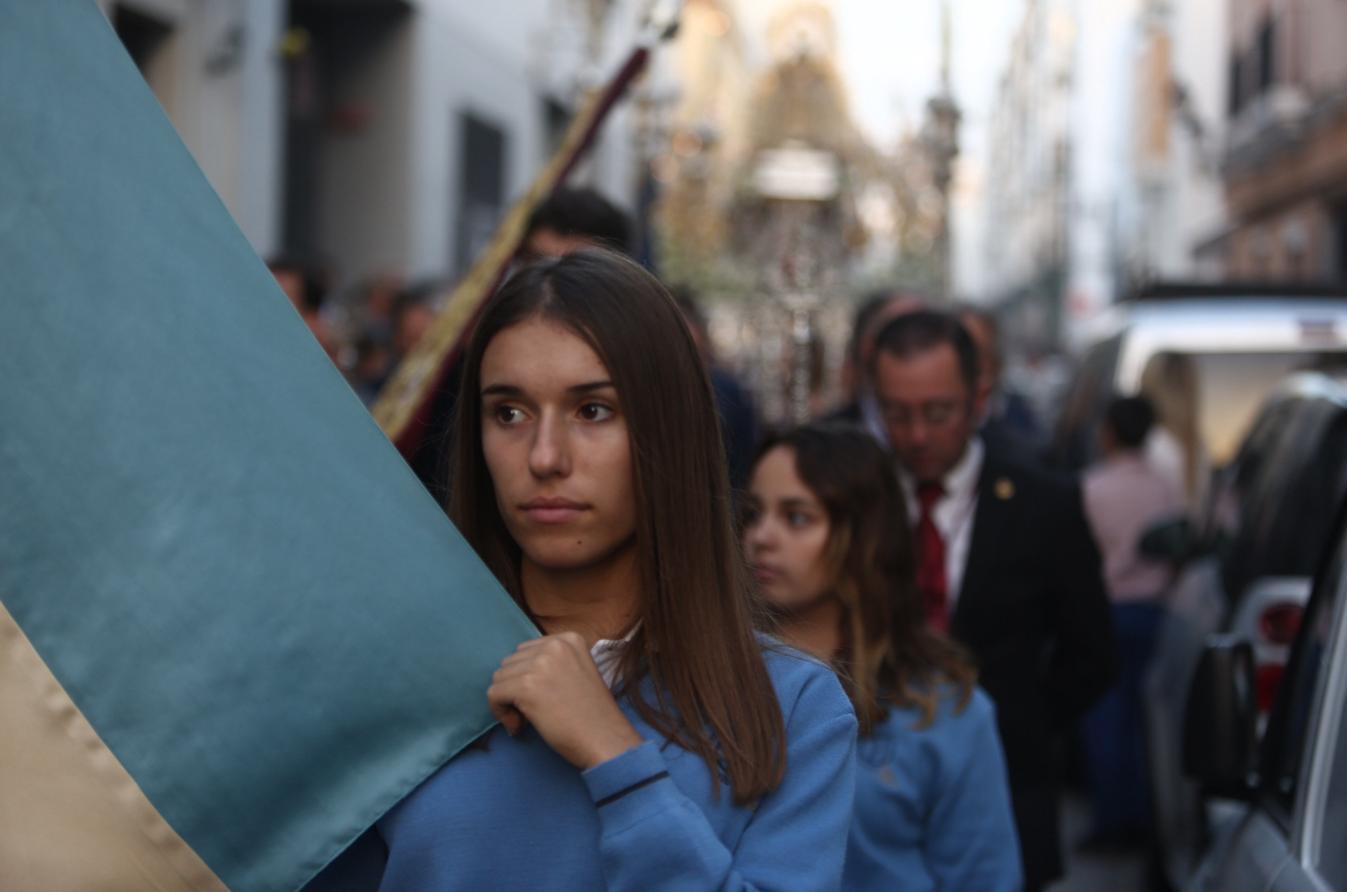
<point x="563" y="554"/>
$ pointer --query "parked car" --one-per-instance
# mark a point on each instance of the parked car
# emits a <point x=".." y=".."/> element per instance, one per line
<point x="1269" y="517"/>
<point x="1290" y="830"/>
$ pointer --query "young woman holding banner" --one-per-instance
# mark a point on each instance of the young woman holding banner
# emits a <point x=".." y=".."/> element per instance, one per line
<point x="650" y="739"/>
<point x="827" y="538"/>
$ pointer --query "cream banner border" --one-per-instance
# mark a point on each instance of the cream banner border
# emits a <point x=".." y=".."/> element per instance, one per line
<point x="71" y="817"/>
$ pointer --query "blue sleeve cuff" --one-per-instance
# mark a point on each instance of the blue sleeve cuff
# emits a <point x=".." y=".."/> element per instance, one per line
<point x="637" y="767"/>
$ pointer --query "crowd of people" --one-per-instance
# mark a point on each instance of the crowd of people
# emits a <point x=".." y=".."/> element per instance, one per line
<point x="842" y="655"/>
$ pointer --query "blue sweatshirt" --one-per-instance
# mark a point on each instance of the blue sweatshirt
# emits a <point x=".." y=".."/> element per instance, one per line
<point x="933" y="805"/>
<point x="515" y="815"/>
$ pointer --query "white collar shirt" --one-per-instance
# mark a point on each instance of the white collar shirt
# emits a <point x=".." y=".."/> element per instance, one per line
<point x="953" y="514"/>
<point x="607" y="654"/>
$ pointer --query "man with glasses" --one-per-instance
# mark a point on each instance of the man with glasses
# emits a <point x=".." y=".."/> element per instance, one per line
<point x="1005" y="564"/>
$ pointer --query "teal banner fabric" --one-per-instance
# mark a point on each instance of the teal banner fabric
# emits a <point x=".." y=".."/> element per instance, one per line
<point x="203" y="533"/>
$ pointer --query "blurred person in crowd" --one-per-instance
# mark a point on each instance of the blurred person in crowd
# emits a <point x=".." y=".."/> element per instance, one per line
<point x="413" y="315"/>
<point x="1124" y="497"/>
<point x="369" y="367"/>
<point x="1043" y="377"/>
<point x="367" y="334"/>
<point x="1175" y="447"/>
<point x="827" y="537"/>
<point x="572" y="218"/>
<point x="873" y="313"/>
<point x="650" y="739"/>
<point x="853" y="364"/>
<point x="306" y="287"/>
<point x="1005" y="561"/>
<point x="373" y="315"/>
<point x="738" y="415"/>
<point x="1008" y="426"/>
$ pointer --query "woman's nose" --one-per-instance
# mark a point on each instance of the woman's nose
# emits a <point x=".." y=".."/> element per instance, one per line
<point x="549" y="455"/>
<point x="758" y="535"/>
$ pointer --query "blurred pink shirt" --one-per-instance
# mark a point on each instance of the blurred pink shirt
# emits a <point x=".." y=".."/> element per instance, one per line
<point x="1125" y="497"/>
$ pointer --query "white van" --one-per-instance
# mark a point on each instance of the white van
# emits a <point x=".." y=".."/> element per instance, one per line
<point x="1207" y="356"/>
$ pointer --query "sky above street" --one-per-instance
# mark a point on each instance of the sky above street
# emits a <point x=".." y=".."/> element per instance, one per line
<point x="890" y="56"/>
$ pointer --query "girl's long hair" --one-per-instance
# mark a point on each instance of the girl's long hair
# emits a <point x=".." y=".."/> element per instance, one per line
<point x="695" y="641"/>
<point x="889" y="653"/>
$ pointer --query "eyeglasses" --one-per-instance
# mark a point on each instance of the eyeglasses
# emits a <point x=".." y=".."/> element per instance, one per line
<point x="937" y="413"/>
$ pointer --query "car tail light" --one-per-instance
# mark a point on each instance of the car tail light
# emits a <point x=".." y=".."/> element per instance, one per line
<point x="1280" y="622"/>
<point x="1267" y="678"/>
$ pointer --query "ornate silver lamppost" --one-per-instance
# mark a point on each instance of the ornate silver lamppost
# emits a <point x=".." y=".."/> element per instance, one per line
<point x="798" y="249"/>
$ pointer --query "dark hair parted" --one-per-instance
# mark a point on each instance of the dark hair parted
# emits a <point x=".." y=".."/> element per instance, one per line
<point x="696" y="641"/>
<point x="922" y="330"/>
<point x="889" y="653"/>
<point x="1130" y="418"/>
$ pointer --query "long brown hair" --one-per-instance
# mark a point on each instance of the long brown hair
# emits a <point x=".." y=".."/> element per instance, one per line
<point x="889" y="653"/>
<point x="695" y="640"/>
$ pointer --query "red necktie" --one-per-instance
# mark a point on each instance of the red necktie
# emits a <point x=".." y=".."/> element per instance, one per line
<point x="931" y="558"/>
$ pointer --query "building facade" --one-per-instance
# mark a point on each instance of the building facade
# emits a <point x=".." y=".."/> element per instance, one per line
<point x="1028" y="188"/>
<point x="1105" y="164"/>
<point x="1285" y="162"/>
<point x="1175" y="206"/>
<point x="376" y="136"/>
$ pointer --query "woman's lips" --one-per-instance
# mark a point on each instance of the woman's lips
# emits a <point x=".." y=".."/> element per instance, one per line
<point x="763" y="575"/>
<point x="552" y="511"/>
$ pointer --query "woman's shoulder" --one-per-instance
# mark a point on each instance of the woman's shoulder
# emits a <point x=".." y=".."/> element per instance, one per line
<point x="960" y="730"/>
<point x="956" y="710"/>
<point x="955" y="714"/>
<point x="973" y="721"/>
<point x="806" y="686"/>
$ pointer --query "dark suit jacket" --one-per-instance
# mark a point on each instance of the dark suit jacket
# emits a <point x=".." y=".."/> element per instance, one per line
<point x="1033" y="610"/>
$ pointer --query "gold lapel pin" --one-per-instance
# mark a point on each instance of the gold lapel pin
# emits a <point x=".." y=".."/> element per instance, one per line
<point x="1005" y="489"/>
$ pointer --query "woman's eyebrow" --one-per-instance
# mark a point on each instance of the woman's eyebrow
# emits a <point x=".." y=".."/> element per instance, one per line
<point x="516" y="390"/>
<point x="590" y="387"/>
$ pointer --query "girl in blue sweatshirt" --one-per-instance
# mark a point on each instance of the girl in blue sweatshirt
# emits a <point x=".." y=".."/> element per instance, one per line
<point x="648" y="739"/>
<point x="830" y="549"/>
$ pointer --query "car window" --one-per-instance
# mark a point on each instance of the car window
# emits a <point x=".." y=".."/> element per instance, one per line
<point x="1308" y="508"/>
<point x="1287" y="505"/>
<point x="1285" y="742"/>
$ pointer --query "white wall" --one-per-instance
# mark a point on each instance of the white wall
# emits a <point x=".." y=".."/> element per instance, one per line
<point x="388" y="194"/>
<point x="364" y="189"/>
<point x="499" y="61"/>
<point x="1201" y="47"/>
<point x="217" y="77"/>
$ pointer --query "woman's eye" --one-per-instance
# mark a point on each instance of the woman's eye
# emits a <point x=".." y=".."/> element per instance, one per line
<point x="798" y="519"/>
<point x="595" y="412"/>
<point x="507" y="414"/>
